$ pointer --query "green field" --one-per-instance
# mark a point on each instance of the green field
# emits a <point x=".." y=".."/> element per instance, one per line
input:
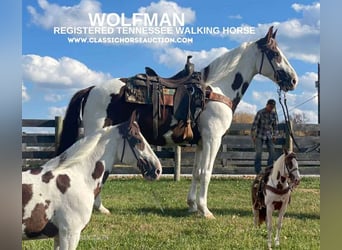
<point x="153" y="215"/>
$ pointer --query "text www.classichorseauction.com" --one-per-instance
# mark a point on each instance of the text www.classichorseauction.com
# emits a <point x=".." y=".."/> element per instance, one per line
<point x="142" y="28"/>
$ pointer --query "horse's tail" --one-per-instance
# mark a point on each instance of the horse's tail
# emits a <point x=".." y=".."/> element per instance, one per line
<point x="72" y="120"/>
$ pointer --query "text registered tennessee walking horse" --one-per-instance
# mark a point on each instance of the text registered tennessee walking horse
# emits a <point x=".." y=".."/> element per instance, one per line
<point x="271" y="191"/>
<point x="57" y="198"/>
<point x="195" y="107"/>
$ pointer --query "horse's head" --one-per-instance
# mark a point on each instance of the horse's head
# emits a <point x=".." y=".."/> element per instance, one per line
<point x="273" y="64"/>
<point x="291" y="167"/>
<point x="147" y="161"/>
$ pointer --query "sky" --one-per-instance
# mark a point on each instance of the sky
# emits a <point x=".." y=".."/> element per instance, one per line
<point x="55" y="65"/>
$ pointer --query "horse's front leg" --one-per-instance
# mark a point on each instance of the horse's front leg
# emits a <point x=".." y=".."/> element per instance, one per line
<point x="210" y="148"/>
<point x="191" y="200"/>
<point x="280" y="222"/>
<point x="98" y="202"/>
<point x="269" y="211"/>
<point x="99" y="206"/>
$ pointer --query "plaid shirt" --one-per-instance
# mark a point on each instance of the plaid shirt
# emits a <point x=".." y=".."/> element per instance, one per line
<point x="265" y="124"/>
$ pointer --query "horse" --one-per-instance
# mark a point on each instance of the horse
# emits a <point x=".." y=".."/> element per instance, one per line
<point x="272" y="190"/>
<point x="227" y="77"/>
<point x="58" y="197"/>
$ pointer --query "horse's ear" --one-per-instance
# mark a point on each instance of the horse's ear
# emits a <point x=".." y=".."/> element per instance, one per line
<point x="274" y="34"/>
<point x="269" y="35"/>
<point x="133" y="118"/>
<point x="286" y="151"/>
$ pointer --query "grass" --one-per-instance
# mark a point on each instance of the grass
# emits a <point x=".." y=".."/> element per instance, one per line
<point x="153" y="215"/>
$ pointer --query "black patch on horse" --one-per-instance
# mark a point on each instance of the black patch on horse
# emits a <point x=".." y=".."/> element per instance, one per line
<point x="238" y="80"/>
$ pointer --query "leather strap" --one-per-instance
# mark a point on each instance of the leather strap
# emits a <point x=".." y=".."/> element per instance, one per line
<point x="278" y="191"/>
<point x="210" y="95"/>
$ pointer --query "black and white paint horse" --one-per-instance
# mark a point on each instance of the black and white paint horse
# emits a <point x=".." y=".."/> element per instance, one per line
<point x="58" y="197"/>
<point x="275" y="193"/>
<point x="228" y="76"/>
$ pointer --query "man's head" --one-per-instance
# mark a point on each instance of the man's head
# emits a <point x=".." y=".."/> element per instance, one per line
<point x="270" y="105"/>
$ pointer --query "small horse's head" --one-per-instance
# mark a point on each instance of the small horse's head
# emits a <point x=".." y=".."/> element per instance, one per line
<point x="273" y="64"/>
<point x="291" y="166"/>
<point x="147" y="161"/>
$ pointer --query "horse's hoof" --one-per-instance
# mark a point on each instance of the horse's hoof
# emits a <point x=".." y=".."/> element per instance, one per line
<point x="104" y="210"/>
<point x="210" y="216"/>
<point x="192" y="210"/>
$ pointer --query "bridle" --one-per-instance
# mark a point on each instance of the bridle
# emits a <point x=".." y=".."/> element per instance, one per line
<point x="290" y="176"/>
<point x="270" y="55"/>
<point x="132" y="141"/>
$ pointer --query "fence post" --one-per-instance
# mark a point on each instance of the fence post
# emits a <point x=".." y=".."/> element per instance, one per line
<point x="288" y="139"/>
<point x="58" y="130"/>
<point x="177" y="169"/>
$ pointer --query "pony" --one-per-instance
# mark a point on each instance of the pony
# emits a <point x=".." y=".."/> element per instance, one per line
<point x="58" y="197"/>
<point x="272" y="191"/>
<point x="228" y="78"/>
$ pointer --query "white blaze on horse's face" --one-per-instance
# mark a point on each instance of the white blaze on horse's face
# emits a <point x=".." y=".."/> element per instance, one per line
<point x="147" y="161"/>
<point x="273" y="64"/>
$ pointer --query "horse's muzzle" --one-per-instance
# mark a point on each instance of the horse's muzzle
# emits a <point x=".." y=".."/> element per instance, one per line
<point x="285" y="81"/>
<point x="148" y="170"/>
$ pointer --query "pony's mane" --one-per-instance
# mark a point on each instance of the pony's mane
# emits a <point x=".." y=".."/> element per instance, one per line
<point x="81" y="149"/>
<point x="224" y="63"/>
<point x="277" y="164"/>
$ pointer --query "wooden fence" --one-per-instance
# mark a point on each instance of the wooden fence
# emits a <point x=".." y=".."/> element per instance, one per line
<point x="236" y="155"/>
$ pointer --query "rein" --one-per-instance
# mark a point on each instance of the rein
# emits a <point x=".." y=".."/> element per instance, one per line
<point x="287" y="119"/>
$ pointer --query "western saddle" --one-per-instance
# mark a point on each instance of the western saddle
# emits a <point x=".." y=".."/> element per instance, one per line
<point x="182" y="91"/>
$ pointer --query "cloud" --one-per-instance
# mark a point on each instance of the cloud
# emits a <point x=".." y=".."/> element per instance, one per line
<point x="170" y="8"/>
<point x="51" y="15"/>
<point x="174" y="57"/>
<point x="299" y="38"/>
<point x="56" y="111"/>
<point x="245" y="107"/>
<point x="238" y="17"/>
<point x="53" y="97"/>
<point x="59" y="73"/>
<point x="24" y="95"/>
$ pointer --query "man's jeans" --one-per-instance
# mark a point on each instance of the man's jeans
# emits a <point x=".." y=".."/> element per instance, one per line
<point x="258" y="150"/>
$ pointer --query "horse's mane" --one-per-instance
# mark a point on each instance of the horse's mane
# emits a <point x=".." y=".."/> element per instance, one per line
<point x="81" y="149"/>
<point x="277" y="164"/>
<point x="224" y="63"/>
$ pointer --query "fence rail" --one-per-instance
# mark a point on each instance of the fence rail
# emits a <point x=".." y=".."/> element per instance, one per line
<point x="236" y="155"/>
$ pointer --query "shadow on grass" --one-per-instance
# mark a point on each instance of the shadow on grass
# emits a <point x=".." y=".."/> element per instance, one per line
<point x="183" y="212"/>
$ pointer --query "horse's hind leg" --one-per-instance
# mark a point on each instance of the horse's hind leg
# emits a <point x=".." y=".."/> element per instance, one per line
<point x="191" y="200"/>
<point x="256" y="217"/>
<point x="99" y="207"/>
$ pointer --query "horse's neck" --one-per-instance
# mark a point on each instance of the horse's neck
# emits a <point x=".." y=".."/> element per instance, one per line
<point x="232" y="72"/>
<point x="278" y="169"/>
<point x="85" y="153"/>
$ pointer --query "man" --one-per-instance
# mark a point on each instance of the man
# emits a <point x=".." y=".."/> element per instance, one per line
<point x="264" y="129"/>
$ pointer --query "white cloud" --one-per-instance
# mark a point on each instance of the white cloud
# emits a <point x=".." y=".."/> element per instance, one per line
<point x="174" y="57"/>
<point x="56" y="111"/>
<point x="238" y="16"/>
<point x="24" y="95"/>
<point x="245" y="107"/>
<point x="299" y="38"/>
<point x="170" y="8"/>
<point x="55" y="15"/>
<point x="62" y="73"/>
<point x="53" y="97"/>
